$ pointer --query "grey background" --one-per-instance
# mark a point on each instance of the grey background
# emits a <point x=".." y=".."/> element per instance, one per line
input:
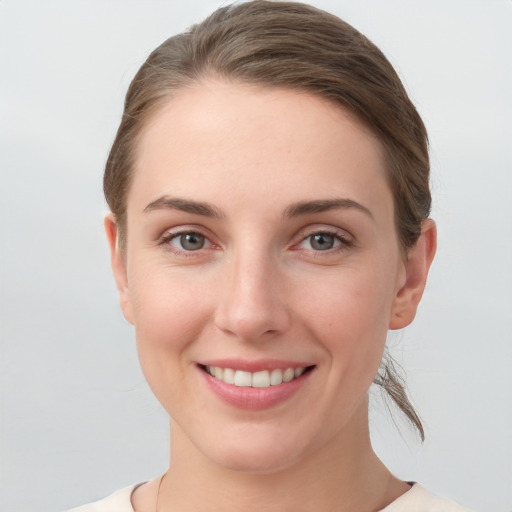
<point x="77" y="419"/>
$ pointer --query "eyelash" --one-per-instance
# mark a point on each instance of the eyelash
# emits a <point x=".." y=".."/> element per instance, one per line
<point x="168" y="237"/>
<point x="343" y="241"/>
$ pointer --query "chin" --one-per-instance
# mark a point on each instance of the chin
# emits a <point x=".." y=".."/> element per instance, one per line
<point x="251" y="455"/>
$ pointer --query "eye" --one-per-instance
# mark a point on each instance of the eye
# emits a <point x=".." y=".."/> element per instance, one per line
<point x="322" y="241"/>
<point x="187" y="241"/>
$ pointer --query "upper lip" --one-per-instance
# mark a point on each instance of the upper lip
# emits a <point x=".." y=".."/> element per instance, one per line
<point x="255" y="365"/>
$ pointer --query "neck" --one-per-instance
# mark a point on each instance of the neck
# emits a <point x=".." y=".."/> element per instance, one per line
<point x="345" y="474"/>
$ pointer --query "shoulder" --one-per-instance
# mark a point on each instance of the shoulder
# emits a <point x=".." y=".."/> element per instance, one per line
<point x="120" y="501"/>
<point x="418" y="499"/>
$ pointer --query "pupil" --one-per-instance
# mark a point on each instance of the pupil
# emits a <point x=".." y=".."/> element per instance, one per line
<point x="322" y="242"/>
<point x="192" y="241"/>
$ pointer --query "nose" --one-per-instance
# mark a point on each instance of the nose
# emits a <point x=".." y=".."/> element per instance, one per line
<point x="252" y="304"/>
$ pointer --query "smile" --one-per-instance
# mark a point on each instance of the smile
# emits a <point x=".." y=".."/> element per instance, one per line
<point x="260" y="379"/>
<point x="255" y="385"/>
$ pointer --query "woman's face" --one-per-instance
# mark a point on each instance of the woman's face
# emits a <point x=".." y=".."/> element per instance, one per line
<point x="260" y="244"/>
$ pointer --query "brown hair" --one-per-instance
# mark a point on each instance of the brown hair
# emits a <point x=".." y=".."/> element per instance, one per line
<point x="290" y="45"/>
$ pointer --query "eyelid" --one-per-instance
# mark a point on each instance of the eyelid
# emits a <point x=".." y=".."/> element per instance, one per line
<point x="172" y="233"/>
<point x="179" y="236"/>
<point x="325" y="229"/>
<point x="345" y="238"/>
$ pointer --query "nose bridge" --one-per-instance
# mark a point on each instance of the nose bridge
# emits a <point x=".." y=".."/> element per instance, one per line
<point x="251" y="303"/>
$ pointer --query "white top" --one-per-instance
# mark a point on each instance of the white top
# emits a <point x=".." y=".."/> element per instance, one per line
<point x="417" y="499"/>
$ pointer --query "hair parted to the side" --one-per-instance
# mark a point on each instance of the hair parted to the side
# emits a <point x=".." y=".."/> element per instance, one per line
<point x="291" y="45"/>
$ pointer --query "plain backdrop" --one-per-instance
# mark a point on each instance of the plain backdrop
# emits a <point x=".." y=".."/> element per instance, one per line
<point x="77" y="418"/>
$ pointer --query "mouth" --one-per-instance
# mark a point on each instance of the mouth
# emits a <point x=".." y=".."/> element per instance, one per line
<point x="259" y="379"/>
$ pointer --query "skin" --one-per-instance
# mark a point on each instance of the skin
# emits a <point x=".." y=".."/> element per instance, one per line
<point x="259" y="289"/>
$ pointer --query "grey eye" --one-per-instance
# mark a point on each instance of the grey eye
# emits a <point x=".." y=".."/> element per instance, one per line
<point x="322" y="241"/>
<point x="189" y="241"/>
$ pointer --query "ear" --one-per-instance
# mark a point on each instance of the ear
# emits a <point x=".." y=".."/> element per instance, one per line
<point x="118" y="262"/>
<point x="419" y="259"/>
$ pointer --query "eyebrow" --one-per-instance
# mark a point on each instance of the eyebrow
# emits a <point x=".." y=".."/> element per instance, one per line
<point x="294" y="210"/>
<point x="184" y="205"/>
<point x="323" y="205"/>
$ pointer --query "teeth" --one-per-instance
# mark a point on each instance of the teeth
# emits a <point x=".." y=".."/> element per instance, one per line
<point x="229" y="376"/>
<point x="262" y="379"/>
<point x="276" y="377"/>
<point x="288" y="375"/>
<point x="298" y="372"/>
<point x="243" y="378"/>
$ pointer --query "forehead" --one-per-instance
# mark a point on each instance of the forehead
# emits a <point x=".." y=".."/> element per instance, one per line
<point x="246" y="141"/>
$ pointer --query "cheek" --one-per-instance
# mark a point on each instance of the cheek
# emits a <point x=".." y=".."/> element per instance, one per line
<point x="349" y="313"/>
<point x="169" y="315"/>
<point x="165" y="302"/>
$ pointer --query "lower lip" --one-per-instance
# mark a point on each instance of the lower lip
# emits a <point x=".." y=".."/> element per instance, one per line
<point x="254" y="398"/>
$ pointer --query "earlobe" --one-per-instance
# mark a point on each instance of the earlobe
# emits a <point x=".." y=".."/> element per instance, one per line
<point x="118" y="263"/>
<point x="419" y="259"/>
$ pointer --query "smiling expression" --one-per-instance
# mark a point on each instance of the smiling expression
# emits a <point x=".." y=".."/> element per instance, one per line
<point x="261" y="271"/>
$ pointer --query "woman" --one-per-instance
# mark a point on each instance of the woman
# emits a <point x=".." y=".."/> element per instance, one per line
<point x="269" y="195"/>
